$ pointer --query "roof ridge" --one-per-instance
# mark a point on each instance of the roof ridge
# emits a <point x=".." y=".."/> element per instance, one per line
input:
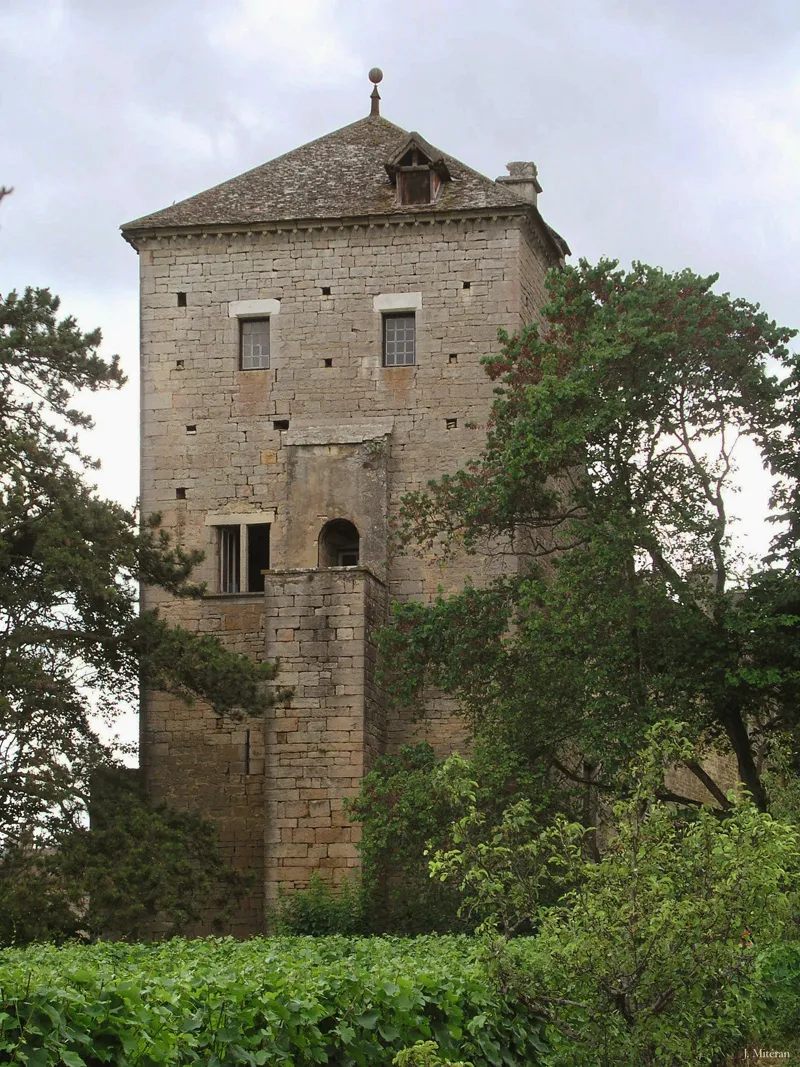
<point x="373" y="120"/>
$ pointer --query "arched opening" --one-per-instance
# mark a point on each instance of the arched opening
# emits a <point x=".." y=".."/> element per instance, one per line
<point x="338" y="544"/>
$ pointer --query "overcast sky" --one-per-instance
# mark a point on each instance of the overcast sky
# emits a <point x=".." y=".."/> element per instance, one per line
<point x="664" y="130"/>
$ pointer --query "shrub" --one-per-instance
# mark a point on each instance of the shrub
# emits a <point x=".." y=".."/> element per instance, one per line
<point x="402" y="809"/>
<point x="137" y="870"/>
<point x="321" y="909"/>
<point x="406" y="811"/>
<point x="424" y="1054"/>
<point x="652" y="955"/>
<point x="285" y="1002"/>
<point x="779" y="1023"/>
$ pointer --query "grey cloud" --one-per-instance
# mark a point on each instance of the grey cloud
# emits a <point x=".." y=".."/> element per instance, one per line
<point x="129" y="106"/>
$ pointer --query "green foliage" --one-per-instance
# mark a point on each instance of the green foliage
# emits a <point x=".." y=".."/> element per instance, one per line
<point x="75" y="643"/>
<point x="281" y="1002"/>
<point x="401" y="810"/>
<point x="779" y="972"/>
<point x="504" y="866"/>
<point x="424" y="1054"/>
<point x="139" y="871"/>
<point x="607" y="473"/>
<point x="406" y="809"/>
<point x="651" y="956"/>
<point x="322" y="909"/>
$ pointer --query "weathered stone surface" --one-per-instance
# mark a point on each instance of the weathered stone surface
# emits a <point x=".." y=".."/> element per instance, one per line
<point x="342" y="433"/>
<point x="359" y="436"/>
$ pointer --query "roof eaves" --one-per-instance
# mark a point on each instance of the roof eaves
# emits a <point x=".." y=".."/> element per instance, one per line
<point x="551" y="239"/>
<point x="420" y="218"/>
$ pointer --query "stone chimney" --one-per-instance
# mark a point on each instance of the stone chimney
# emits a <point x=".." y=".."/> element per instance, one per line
<point x="522" y="181"/>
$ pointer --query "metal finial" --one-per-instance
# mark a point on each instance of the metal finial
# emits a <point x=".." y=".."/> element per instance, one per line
<point x="375" y="76"/>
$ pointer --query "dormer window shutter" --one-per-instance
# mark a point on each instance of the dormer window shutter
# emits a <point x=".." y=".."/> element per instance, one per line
<point x="414" y="185"/>
<point x="418" y="171"/>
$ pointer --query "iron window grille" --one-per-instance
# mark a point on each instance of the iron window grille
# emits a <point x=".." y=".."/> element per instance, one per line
<point x="243" y="557"/>
<point x="399" y="340"/>
<point x="229" y="559"/>
<point x="254" y="344"/>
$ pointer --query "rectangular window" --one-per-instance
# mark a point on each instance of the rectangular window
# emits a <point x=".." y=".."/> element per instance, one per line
<point x="254" y="346"/>
<point x="230" y="544"/>
<point x="243" y="555"/>
<point x="399" y="340"/>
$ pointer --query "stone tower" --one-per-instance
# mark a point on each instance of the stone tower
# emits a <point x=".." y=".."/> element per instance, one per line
<point x="311" y="338"/>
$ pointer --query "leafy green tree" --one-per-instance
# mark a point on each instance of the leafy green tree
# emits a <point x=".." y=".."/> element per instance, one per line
<point x="74" y="646"/>
<point x="402" y="810"/>
<point x="139" y="871"/>
<point x="652" y="956"/>
<point x="606" y="476"/>
<point x="405" y="811"/>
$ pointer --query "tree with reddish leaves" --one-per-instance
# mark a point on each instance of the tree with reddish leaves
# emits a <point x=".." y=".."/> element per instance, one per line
<point x="606" y="481"/>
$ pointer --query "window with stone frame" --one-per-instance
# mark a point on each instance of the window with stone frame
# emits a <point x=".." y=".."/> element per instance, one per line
<point x="243" y="555"/>
<point x="254" y="344"/>
<point x="399" y="339"/>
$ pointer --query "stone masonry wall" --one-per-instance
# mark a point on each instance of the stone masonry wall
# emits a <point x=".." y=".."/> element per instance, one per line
<point x="192" y="759"/>
<point x="321" y="624"/>
<point x="213" y="451"/>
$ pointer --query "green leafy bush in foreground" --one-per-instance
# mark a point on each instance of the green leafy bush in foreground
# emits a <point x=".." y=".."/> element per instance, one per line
<point x="780" y="972"/>
<point x="282" y="1001"/>
<point x="664" y="952"/>
<point x="424" y="1054"/>
<point x="322" y="909"/>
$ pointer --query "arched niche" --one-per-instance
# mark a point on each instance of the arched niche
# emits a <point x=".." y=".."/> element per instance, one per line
<point x="339" y="543"/>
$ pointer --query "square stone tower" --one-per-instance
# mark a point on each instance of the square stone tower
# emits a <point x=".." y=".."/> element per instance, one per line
<point x="311" y="338"/>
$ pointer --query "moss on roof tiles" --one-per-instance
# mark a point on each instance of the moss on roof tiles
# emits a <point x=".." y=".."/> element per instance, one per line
<point x="340" y="175"/>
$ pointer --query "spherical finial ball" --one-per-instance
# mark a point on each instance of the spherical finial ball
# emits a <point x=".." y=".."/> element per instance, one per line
<point x="376" y="75"/>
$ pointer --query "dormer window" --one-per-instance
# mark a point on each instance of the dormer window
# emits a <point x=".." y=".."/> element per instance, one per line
<point x="418" y="171"/>
<point x="416" y="182"/>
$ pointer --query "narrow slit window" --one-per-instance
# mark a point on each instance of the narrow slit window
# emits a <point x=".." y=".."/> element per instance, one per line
<point x="257" y="556"/>
<point x="181" y="300"/>
<point x="229" y="558"/>
<point x="399" y="340"/>
<point x="254" y="345"/>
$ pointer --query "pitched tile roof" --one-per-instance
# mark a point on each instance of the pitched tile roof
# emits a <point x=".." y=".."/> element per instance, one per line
<point x="340" y="175"/>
